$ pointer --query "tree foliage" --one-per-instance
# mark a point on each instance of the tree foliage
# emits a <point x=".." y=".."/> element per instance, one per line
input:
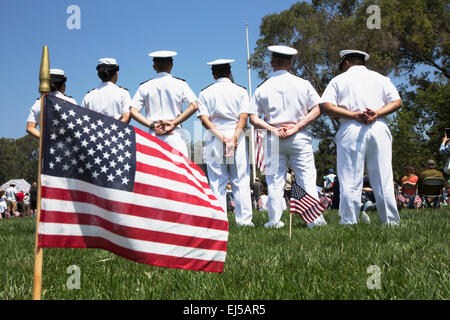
<point x="414" y="34"/>
<point x="19" y="159"/>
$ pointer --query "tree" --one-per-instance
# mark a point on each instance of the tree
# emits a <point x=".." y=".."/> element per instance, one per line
<point x="19" y="159"/>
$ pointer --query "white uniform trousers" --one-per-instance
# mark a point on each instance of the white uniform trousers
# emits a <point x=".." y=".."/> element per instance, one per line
<point x="370" y="144"/>
<point x="236" y="168"/>
<point x="175" y="140"/>
<point x="296" y="149"/>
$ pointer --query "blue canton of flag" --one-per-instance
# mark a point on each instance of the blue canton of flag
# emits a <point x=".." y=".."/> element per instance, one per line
<point x="88" y="147"/>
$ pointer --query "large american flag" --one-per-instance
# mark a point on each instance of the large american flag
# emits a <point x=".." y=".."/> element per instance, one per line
<point x="109" y="185"/>
<point x="259" y="141"/>
<point x="305" y="205"/>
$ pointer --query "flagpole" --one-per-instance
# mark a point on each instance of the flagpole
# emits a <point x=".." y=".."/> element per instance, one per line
<point x="44" y="87"/>
<point x="252" y="129"/>
<point x="290" y="225"/>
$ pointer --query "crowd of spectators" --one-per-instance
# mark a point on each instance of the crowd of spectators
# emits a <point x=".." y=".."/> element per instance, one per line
<point x="17" y="203"/>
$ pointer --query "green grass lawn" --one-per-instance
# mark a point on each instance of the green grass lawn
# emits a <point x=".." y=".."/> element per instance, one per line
<point x="329" y="262"/>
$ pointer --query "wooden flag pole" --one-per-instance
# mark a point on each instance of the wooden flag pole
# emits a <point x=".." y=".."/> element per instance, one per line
<point x="44" y="87"/>
<point x="290" y="225"/>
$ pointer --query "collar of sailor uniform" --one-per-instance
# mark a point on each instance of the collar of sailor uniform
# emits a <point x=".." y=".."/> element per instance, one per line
<point x="356" y="67"/>
<point x="162" y="74"/>
<point x="223" y="79"/>
<point x="56" y="93"/>
<point x="278" y="73"/>
<point x="105" y="83"/>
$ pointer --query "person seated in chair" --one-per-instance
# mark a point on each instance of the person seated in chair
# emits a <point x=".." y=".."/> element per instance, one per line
<point x="409" y="186"/>
<point x="367" y="200"/>
<point x="430" y="172"/>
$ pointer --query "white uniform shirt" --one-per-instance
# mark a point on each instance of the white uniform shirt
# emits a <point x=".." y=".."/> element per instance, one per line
<point x="26" y="199"/>
<point x="108" y="99"/>
<point x="283" y="98"/>
<point x="359" y="88"/>
<point x="3" y="205"/>
<point x="10" y="193"/>
<point x="163" y="97"/>
<point x="35" y="111"/>
<point x="223" y="102"/>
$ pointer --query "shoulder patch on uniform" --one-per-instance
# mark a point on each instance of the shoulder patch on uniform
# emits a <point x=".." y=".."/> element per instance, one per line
<point x="38" y="98"/>
<point x="145" y="81"/>
<point x="180" y="79"/>
<point x="207" y="86"/>
<point x="68" y="96"/>
<point x="262" y="82"/>
<point x="123" y="88"/>
<point x="91" y="90"/>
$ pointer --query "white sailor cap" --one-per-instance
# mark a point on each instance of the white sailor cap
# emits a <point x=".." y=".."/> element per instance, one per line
<point x="107" y="61"/>
<point x="220" y="62"/>
<point x="345" y="53"/>
<point x="57" y="75"/>
<point x="349" y="53"/>
<point x="162" y="54"/>
<point x="58" y="72"/>
<point x="282" y="50"/>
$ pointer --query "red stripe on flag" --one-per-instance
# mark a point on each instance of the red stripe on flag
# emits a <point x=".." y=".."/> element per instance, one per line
<point x="309" y="209"/>
<point x="167" y="174"/>
<point x="158" y="154"/>
<point x="170" y="194"/>
<point x="132" y="232"/>
<point x="304" y="210"/>
<point x="57" y="241"/>
<point x="133" y="209"/>
<point x="165" y="146"/>
<point x="299" y="210"/>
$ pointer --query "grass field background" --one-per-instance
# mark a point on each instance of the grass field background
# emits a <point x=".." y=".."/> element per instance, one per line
<point x="329" y="262"/>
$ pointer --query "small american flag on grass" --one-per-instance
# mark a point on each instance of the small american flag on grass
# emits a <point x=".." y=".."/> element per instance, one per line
<point x="417" y="202"/>
<point x="108" y="185"/>
<point x="306" y="206"/>
<point x="401" y="198"/>
<point x="325" y="200"/>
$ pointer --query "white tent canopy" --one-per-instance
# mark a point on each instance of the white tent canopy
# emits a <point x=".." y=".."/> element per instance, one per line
<point x="21" y="185"/>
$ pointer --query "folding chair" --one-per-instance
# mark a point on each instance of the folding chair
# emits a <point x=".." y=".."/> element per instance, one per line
<point x="432" y="191"/>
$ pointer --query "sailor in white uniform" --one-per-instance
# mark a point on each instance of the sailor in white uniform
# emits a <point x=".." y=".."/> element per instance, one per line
<point x="285" y="105"/>
<point x="163" y="98"/>
<point x="362" y="99"/>
<point x="57" y="89"/>
<point x="109" y="98"/>
<point x="223" y="110"/>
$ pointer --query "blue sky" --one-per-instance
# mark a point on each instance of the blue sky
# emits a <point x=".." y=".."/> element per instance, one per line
<point x="199" y="30"/>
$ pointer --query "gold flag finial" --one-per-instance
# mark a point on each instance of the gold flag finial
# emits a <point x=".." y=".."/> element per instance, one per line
<point x="44" y="73"/>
